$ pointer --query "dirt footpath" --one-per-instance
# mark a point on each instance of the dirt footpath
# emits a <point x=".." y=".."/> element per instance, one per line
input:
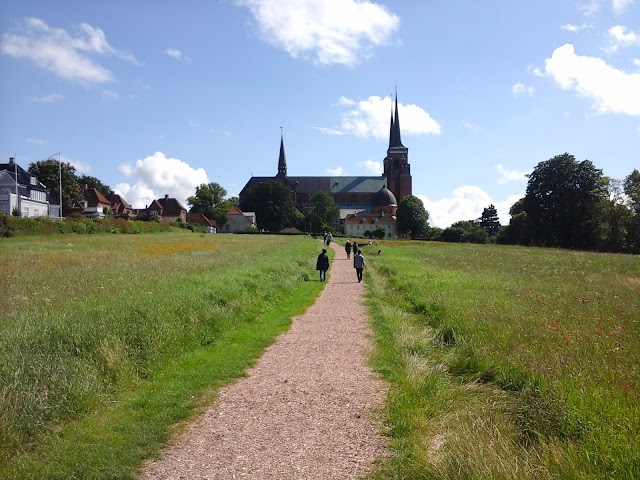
<point x="306" y="410"/>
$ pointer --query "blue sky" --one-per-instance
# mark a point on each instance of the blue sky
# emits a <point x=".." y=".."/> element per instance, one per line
<point x="157" y="97"/>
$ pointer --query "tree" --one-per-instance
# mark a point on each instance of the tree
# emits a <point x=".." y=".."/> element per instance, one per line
<point x="489" y="220"/>
<point x="632" y="191"/>
<point x="94" y="182"/>
<point x="465" y="231"/>
<point x="324" y="214"/>
<point x="209" y="200"/>
<point x="562" y="203"/>
<point x="48" y="173"/>
<point x="273" y="205"/>
<point x="411" y="217"/>
<point x="379" y="233"/>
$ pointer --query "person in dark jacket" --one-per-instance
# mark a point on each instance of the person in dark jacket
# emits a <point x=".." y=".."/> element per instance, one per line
<point x="322" y="265"/>
<point x="358" y="264"/>
<point x="347" y="248"/>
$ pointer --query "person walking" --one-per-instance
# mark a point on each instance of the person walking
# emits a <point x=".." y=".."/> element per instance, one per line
<point x="322" y="265"/>
<point x="328" y="239"/>
<point x="358" y="264"/>
<point x="347" y="248"/>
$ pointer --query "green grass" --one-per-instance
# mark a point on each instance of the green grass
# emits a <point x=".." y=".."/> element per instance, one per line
<point x="508" y="362"/>
<point x="108" y="341"/>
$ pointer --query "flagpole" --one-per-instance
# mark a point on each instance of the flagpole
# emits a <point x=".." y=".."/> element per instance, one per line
<point x="15" y="165"/>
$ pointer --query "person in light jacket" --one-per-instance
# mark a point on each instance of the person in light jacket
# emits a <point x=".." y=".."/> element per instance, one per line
<point x="359" y="264"/>
<point x="322" y="265"/>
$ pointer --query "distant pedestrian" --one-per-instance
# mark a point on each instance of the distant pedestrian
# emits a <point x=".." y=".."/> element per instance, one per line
<point x="328" y="239"/>
<point x="322" y="265"/>
<point x="355" y="248"/>
<point x="358" y="264"/>
<point x="347" y="248"/>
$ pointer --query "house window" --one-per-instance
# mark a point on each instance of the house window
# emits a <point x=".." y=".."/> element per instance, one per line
<point x="36" y="212"/>
<point x="34" y="181"/>
<point x="26" y="211"/>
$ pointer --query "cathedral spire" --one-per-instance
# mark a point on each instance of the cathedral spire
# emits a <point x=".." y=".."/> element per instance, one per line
<point x="394" y="129"/>
<point x="282" y="159"/>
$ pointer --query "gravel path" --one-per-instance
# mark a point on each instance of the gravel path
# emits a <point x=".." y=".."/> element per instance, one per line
<point x="306" y="410"/>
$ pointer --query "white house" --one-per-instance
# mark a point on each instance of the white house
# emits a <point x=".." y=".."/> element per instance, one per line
<point x="19" y="190"/>
<point x="239" y="221"/>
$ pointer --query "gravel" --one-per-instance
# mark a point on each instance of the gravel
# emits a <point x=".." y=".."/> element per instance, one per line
<point x="309" y="409"/>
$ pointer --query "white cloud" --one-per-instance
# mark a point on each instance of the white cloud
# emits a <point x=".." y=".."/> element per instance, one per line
<point x="474" y="128"/>
<point x="611" y="90"/>
<point x="371" y="118"/>
<point x="67" y="56"/>
<point x="328" y="131"/>
<point x="36" y="141"/>
<point x="51" y="98"/>
<point x="621" y="37"/>
<point x="589" y="7"/>
<point x="466" y="203"/>
<point x="510" y="175"/>
<point x="522" y="89"/>
<point x="335" y="172"/>
<point x="81" y="167"/>
<point x="373" y="166"/>
<point x="177" y="54"/>
<point x="573" y="28"/>
<point x="324" y="31"/>
<point x="156" y="176"/>
<point x="620" y="5"/>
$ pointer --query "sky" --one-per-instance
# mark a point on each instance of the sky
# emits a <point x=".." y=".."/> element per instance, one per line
<point x="157" y="97"/>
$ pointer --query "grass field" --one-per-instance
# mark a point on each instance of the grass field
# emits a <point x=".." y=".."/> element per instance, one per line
<point x="504" y="362"/>
<point x="508" y="362"/>
<point x="106" y="341"/>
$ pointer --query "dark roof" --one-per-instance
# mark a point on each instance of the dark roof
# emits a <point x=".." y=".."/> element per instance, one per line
<point x="170" y="206"/>
<point x="384" y="198"/>
<point x="200" y="219"/>
<point x="114" y="198"/>
<point x="328" y="184"/>
<point x="24" y="177"/>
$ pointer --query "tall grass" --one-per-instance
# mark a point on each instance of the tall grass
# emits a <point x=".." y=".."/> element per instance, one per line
<point x="508" y="362"/>
<point x="86" y="319"/>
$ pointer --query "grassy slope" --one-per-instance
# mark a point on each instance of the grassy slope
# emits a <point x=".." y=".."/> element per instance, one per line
<point x="114" y="339"/>
<point x="508" y="362"/>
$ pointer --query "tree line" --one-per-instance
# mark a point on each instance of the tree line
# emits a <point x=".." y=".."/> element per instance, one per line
<point x="567" y="204"/>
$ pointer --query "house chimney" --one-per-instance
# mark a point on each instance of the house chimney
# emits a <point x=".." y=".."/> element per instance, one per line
<point x="12" y="160"/>
<point x="166" y="197"/>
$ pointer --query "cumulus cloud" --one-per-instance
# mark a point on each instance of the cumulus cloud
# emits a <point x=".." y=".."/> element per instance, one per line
<point x="466" y="203"/>
<point x="621" y="37"/>
<point x="611" y="90"/>
<point x="335" y="172"/>
<point x="370" y="118"/>
<point x="177" y="54"/>
<point x="507" y="175"/>
<point x="65" y="55"/>
<point x="325" y="32"/>
<point x="373" y="166"/>
<point x="156" y="176"/>
<point x="522" y="89"/>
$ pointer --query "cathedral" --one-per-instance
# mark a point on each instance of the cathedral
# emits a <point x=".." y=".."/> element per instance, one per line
<point x="365" y="203"/>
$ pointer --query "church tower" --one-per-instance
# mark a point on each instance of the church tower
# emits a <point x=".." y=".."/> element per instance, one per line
<point x="282" y="161"/>
<point x="397" y="170"/>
